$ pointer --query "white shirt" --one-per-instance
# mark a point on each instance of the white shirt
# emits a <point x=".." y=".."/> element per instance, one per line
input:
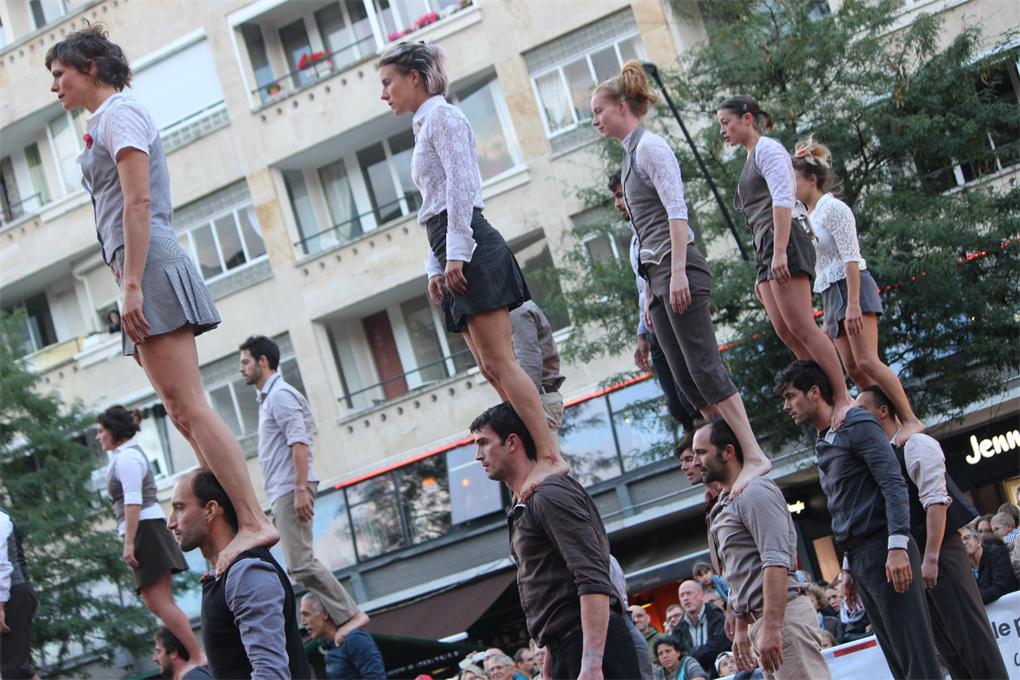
<point x="926" y="466"/>
<point x="6" y="566"/>
<point x="130" y="466"/>
<point x="120" y="122"/>
<point x="835" y="229"/>
<point x="444" y="167"/>
<point x="774" y="163"/>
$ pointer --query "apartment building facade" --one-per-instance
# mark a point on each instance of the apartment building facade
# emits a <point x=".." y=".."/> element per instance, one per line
<point x="292" y="191"/>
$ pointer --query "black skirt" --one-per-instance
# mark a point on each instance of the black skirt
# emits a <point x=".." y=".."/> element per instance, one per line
<point x="157" y="553"/>
<point x="494" y="279"/>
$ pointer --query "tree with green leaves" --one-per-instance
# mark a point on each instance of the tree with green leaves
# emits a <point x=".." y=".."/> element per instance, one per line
<point x="86" y="596"/>
<point x="925" y="132"/>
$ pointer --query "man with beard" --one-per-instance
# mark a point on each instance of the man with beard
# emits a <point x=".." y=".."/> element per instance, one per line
<point x="754" y="538"/>
<point x="286" y="430"/>
<point x="173" y="659"/>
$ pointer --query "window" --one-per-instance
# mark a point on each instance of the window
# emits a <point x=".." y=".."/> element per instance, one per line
<point x="346" y="32"/>
<point x="260" y="66"/>
<point x="386" y="168"/>
<point x="642" y="430"/>
<point x="45" y="11"/>
<point x="587" y="442"/>
<point x="421" y="333"/>
<point x="174" y="101"/>
<point x="425" y="499"/>
<point x="536" y="262"/>
<point x="331" y="531"/>
<point x="606" y="248"/>
<point x="564" y="71"/>
<point x="496" y="144"/>
<point x="224" y="240"/>
<point x="36" y="173"/>
<point x="294" y="38"/>
<point x="38" y="331"/>
<point x="472" y="493"/>
<point x="343" y="211"/>
<point x="65" y="133"/>
<point x="375" y="514"/>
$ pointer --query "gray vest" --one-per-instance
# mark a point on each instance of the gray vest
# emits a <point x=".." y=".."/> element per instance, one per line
<point x="754" y="199"/>
<point x="100" y="179"/>
<point x="116" y="490"/>
<point x="647" y="213"/>
<point x="16" y="556"/>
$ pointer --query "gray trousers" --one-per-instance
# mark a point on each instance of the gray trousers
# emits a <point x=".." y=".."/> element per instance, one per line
<point x="688" y="339"/>
<point x="313" y="575"/>
<point x="899" y="620"/>
<point x="959" y="621"/>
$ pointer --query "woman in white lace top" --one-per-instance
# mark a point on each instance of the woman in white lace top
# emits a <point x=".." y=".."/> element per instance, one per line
<point x="472" y="274"/>
<point x="851" y="297"/>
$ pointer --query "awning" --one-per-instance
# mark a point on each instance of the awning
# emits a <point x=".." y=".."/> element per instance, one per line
<point x="442" y="614"/>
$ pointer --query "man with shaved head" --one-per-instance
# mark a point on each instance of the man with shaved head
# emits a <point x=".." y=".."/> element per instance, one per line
<point x="702" y="623"/>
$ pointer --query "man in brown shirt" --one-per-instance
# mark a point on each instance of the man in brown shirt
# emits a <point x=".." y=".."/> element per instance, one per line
<point x="754" y="538"/>
<point x="561" y="550"/>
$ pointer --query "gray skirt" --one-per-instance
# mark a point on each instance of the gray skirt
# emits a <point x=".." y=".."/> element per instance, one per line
<point x="800" y="254"/>
<point x="494" y="279"/>
<point x="175" y="294"/>
<point x="157" y="553"/>
<point x="835" y="300"/>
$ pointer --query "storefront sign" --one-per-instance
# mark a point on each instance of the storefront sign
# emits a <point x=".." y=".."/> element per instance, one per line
<point x="986" y="448"/>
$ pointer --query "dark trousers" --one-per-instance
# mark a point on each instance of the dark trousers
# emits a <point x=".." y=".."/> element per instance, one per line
<point x="899" y="620"/>
<point x="16" y="646"/>
<point x="959" y="621"/>
<point x="619" y="659"/>
<point x="677" y="403"/>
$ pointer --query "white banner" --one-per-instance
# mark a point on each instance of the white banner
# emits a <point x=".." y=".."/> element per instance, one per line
<point x="1004" y="615"/>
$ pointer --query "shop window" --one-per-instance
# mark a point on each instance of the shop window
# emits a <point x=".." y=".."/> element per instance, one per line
<point x="472" y="493"/>
<point x="331" y="531"/>
<point x="425" y="497"/>
<point x="587" y="442"/>
<point x="643" y="429"/>
<point x="375" y="515"/>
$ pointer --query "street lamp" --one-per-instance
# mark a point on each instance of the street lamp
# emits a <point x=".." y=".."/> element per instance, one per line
<point x="653" y="71"/>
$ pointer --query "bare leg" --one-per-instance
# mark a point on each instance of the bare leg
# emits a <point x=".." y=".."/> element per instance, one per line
<point x="846" y="355"/>
<point x="794" y="303"/>
<point x="756" y="463"/>
<point x="495" y="385"/>
<point x="491" y="337"/>
<point x="709" y="411"/>
<point x="865" y="351"/>
<point x="171" y="362"/>
<point x="160" y="601"/>
<point x="783" y="331"/>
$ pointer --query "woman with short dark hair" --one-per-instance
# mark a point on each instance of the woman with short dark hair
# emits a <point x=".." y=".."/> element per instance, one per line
<point x="150" y="550"/>
<point x="472" y="273"/>
<point x="674" y="661"/>
<point x="165" y="302"/>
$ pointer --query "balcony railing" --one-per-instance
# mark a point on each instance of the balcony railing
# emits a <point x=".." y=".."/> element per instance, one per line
<point x="425" y="372"/>
<point x="26" y="206"/>
<point x="353" y="228"/>
<point x="321" y="68"/>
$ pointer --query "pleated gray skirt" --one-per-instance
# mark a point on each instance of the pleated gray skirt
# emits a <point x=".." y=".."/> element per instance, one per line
<point x="494" y="279"/>
<point x="835" y="299"/>
<point x="175" y="294"/>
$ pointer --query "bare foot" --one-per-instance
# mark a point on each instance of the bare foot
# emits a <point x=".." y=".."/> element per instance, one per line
<point x="357" y="621"/>
<point x="908" y="430"/>
<point x="542" y="470"/>
<point x="264" y="537"/>
<point x="839" y="412"/>
<point x="752" y="469"/>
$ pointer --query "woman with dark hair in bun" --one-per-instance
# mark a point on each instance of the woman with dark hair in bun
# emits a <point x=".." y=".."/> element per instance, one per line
<point x="849" y="293"/>
<point x="150" y="550"/>
<point x="165" y="302"/>
<point x="472" y="273"/>
<point x="784" y="257"/>
<point x="679" y="282"/>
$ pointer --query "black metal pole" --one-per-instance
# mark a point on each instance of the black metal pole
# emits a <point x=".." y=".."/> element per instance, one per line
<point x="653" y="71"/>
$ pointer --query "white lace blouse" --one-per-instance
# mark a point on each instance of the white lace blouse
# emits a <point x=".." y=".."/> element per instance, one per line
<point x="444" y="167"/>
<point x="835" y="242"/>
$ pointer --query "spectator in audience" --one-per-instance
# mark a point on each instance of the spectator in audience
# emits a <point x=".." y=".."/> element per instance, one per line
<point x="1004" y="526"/>
<point x="675" y="662"/>
<point x="833" y="597"/>
<point x="984" y="526"/>
<point x="1013" y="510"/>
<point x="524" y="660"/>
<point x="705" y="574"/>
<point x="356" y="658"/>
<point x="113" y="321"/>
<point x="725" y="665"/>
<point x="472" y="672"/>
<point x="539" y="653"/>
<point x="1014" y="559"/>
<point x="674" y="614"/>
<point x="828" y="640"/>
<point x="643" y="622"/>
<point x="712" y="596"/>
<point x="990" y="563"/>
<point x="499" y="666"/>
<point x="703" y="624"/>
<point x="818" y="598"/>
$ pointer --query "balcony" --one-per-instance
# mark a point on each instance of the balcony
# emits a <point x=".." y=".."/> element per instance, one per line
<point x="18" y="210"/>
<point x="292" y="46"/>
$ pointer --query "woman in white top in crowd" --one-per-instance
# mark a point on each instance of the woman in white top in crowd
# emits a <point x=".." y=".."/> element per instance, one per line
<point x="165" y="302"/>
<point x="784" y="257"/>
<point x="150" y="550"/>
<point x="850" y="295"/>
<point x="679" y="282"/>
<point x="472" y="273"/>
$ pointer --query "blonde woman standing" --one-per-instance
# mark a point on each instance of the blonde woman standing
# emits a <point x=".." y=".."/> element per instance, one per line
<point x="851" y="298"/>
<point x="679" y="282"/>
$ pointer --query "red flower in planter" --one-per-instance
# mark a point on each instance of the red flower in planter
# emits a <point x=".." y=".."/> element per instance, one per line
<point x="426" y="19"/>
<point x="88" y="140"/>
<point x="310" y="58"/>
